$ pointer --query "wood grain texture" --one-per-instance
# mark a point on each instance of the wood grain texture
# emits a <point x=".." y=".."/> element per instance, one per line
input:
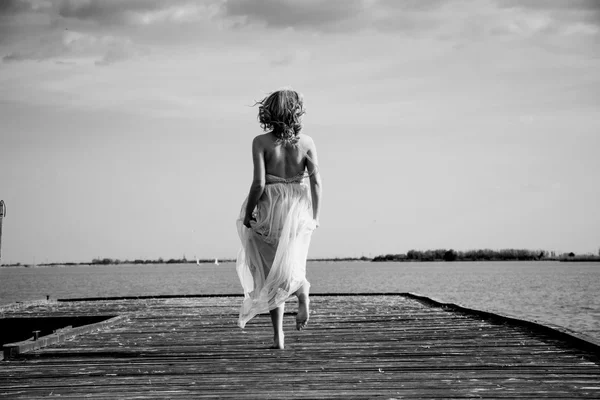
<point x="364" y="347"/>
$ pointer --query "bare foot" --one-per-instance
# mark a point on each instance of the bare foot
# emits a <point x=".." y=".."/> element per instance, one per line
<point x="303" y="312"/>
<point x="278" y="342"/>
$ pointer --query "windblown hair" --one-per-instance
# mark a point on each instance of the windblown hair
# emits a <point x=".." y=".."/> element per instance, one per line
<point x="281" y="113"/>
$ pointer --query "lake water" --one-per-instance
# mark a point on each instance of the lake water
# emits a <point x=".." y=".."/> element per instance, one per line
<point x="564" y="294"/>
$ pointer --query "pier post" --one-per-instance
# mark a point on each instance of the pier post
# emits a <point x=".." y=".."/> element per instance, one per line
<point x="2" y="214"/>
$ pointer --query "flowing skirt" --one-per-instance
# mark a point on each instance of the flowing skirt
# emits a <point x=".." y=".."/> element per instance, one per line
<point x="271" y="263"/>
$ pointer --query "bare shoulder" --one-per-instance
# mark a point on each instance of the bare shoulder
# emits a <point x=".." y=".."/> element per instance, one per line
<point x="306" y="142"/>
<point x="260" y="142"/>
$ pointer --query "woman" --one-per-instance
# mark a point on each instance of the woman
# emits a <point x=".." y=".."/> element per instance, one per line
<point x="279" y="215"/>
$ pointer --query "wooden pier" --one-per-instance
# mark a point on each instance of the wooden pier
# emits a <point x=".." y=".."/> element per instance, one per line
<point x="363" y="347"/>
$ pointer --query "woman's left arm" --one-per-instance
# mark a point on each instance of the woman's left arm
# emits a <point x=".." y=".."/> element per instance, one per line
<point x="258" y="182"/>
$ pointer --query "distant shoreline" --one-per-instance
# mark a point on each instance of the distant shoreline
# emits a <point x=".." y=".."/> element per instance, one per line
<point x="450" y="255"/>
<point x="438" y="255"/>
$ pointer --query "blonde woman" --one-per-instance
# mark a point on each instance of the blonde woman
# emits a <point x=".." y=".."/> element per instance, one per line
<point x="279" y="215"/>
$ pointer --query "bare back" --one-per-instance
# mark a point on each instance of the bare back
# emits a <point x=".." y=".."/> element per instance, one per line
<point x="287" y="161"/>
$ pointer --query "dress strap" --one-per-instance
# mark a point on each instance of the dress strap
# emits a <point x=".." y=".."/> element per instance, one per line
<point x="272" y="179"/>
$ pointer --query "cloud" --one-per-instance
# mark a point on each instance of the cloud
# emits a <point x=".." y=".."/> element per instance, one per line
<point x="76" y="45"/>
<point x="111" y="12"/>
<point x="50" y="45"/>
<point x="15" y="57"/>
<point x="288" y="57"/>
<point x="436" y="18"/>
<point x="109" y="30"/>
<point x="344" y="16"/>
<point x="116" y="54"/>
<point x="175" y="14"/>
<point x="12" y="7"/>
<point x="134" y="12"/>
<point x="564" y="17"/>
<point x="587" y="5"/>
<point x="105" y="11"/>
<point x="45" y="29"/>
<point x="330" y="15"/>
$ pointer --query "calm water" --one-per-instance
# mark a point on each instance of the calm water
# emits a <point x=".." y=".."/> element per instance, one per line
<point x="564" y="294"/>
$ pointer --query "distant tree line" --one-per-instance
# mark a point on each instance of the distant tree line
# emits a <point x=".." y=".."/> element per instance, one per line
<point x="116" y="261"/>
<point x="363" y="258"/>
<point x="484" y="255"/>
<point x="110" y="261"/>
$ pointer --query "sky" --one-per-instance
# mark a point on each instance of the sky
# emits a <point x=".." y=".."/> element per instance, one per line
<point x="126" y="126"/>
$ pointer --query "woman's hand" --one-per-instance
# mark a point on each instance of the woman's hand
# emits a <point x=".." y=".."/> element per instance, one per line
<point x="247" y="220"/>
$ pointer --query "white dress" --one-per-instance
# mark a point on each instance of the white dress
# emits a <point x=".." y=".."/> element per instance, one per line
<point x="271" y="264"/>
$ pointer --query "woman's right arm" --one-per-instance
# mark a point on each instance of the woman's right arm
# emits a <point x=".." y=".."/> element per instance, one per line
<point x="258" y="182"/>
<point x="315" y="179"/>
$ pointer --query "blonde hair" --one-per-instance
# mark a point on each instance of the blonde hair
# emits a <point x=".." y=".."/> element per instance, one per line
<point x="281" y="113"/>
